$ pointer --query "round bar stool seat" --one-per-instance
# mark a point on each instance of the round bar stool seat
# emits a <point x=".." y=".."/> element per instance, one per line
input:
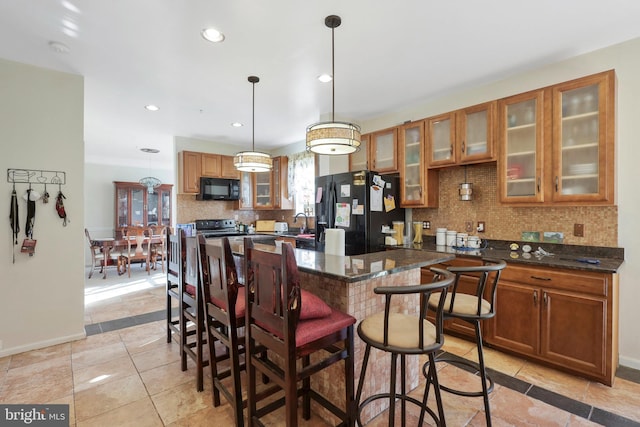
<point x="401" y="335"/>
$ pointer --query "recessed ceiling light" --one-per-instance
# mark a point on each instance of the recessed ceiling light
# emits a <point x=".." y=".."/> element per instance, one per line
<point x="152" y="107"/>
<point x="324" y="78"/>
<point x="212" y="35"/>
<point x="236" y="124"/>
<point x="58" y="47"/>
<point x="150" y="150"/>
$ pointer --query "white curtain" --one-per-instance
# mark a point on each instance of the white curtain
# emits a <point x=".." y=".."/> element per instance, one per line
<point x="301" y="176"/>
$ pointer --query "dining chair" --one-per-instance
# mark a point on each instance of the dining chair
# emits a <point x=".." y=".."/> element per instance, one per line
<point x="175" y="274"/>
<point x="292" y="325"/>
<point x="97" y="256"/>
<point x="138" y="248"/>
<point x="472" y="308"/>
<point x="159" y="245"/>
<point x="405" y="335"/>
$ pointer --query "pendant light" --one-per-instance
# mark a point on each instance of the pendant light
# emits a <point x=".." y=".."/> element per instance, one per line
<point x="253" y="161"/>
<point x="465" y="190"/>
<point x="333" y="138"/>
<point x="151" y="182"/>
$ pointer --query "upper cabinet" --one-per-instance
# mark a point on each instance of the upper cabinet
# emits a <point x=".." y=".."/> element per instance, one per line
<point x="383" y="147"/>
<point x="521" y="138"/>
<point x="193" y="165"/>
<point x="266" y="190"/>
<point x="583" y="139"/>
<point x="557" y="143"/>
<point x="360" y="159"/>
<point x="417" y="188"/>
<point x="461" y="137"/>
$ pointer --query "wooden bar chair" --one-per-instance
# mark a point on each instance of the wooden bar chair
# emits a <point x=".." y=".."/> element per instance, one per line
<point x="175" y="273"/>
<point x="472" y="308"/>
<point x="276" y="320"/>
<point x="406" y="334"/>
<point x="191" y="309"/>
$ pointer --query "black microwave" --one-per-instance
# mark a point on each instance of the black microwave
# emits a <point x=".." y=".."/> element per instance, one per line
<point x="219" y="189"/>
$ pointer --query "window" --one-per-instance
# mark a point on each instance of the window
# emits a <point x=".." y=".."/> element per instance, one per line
<point x="301" y="181"/>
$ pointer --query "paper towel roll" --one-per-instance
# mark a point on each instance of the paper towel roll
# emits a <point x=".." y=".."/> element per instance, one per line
<point x="334" y="241"/>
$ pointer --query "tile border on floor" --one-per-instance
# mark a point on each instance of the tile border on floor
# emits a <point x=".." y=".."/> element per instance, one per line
<point x="551" y="398"/>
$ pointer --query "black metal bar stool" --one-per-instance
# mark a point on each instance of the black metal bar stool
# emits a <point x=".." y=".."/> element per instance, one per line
<point x="472" y="308"/>
<point x="402" y="335"/>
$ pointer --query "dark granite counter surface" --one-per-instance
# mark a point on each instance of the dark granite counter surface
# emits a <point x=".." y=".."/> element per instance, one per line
<point x="564" y="256"/>
<point x="353" y="268"/>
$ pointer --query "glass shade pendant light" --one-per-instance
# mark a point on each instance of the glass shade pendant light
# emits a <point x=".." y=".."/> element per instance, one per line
<point x="253" y="161"/>
<point x="333" y="138"/>
<point x="151" y="182"/>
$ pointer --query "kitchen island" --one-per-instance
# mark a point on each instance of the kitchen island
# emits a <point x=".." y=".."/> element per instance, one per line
<point x="346" y="283"/>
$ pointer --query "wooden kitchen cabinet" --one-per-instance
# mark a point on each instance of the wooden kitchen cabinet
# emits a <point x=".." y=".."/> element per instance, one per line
<point x="193" y="165"/>
<point x="383" y="151"/>
<point x="136" y="207"/>
<point x="270" y="189"/>
<point x="583" y="140"/>
<point x="360" y="159"/>
<point x="521" y="120"/>
<point x="246" y="191"/>
<point x="464" y="136"/>
<point x="557" y="144"/>
<point x="565" y="318"/>
<point x="419" y="186"/>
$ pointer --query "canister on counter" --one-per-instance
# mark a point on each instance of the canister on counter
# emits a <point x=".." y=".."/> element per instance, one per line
<point x="451" y="237"/>
<point x="441" y="236"/>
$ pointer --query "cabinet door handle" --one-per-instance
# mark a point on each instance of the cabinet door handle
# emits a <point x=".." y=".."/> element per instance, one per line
<point x="544" y="298"/>
<point x="451" y="150"/>
<point x="557" y="182"/>
<point x="546" y="279"/>
<point x="463" y="148"/>
<point x="538" y="184"/>
<point x="535" y="298"/>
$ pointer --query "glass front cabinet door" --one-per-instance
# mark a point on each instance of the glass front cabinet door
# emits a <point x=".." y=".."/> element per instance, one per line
<point x="384" y="146"/>
<point x="521" y="140"/>
<point x="262" y="197"/>
<point x="441" y="134"/>
<point x="583" y="139"/>
<point x="359" y="160"/>
<point x="475" y="133"/>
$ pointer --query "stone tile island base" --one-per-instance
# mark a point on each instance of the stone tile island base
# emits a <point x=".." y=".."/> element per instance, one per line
<point x="358" y="299"/>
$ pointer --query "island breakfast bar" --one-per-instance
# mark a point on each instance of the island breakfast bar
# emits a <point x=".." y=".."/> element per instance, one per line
<point x="346" y="283"/>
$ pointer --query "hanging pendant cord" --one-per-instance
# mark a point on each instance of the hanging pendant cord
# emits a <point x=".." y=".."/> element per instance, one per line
<point x="333" y="76"/>
<point x="253" y="117"/>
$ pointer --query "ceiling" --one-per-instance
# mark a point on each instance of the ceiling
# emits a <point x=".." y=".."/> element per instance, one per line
<point x="388" y="55"/>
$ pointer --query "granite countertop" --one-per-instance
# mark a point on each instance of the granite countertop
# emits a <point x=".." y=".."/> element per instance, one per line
<point x="353" y="268"/>
<point x="564" y="256"/>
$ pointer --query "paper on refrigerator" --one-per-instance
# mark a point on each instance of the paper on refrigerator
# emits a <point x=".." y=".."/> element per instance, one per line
<point x="343" y="214"/>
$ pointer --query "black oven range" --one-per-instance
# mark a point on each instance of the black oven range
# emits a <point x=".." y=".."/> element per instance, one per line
<point x="217" y="228"/>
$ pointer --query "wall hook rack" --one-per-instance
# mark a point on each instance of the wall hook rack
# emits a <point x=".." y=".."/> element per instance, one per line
<point x="36" y="176"/>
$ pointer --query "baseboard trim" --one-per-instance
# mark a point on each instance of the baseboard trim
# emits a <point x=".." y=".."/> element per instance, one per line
<point x="42" y="344"/>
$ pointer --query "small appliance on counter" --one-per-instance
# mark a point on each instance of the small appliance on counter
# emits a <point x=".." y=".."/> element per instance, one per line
<point x="265" y="226"/>
<point x="217" y="227"/>
<point x="281" y="227"/>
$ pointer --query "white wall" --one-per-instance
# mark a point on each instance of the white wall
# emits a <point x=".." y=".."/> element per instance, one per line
<point x="624" y="58"/>
<point x="41" y="127"/>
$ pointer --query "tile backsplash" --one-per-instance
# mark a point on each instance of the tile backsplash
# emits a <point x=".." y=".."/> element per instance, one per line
<point x="507" y="222"/>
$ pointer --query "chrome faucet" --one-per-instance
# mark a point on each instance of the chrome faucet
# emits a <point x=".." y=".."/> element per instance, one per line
<point x="304" y="228"/>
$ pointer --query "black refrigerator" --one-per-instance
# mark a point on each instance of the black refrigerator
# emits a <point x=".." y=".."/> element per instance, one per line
<point x="361" y="203"/>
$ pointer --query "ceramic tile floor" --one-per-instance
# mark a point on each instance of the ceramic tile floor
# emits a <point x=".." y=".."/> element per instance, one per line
<point x="125" y="374"/>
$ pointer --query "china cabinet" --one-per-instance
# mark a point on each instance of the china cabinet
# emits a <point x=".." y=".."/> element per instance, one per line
<point x="418" y="188"/>
<point x="383" y="151"/>
<point x="360" y="159"/>
<point x="464" y="136"/>
<point x="136" y="207"/>
<point x="557" y="143"/>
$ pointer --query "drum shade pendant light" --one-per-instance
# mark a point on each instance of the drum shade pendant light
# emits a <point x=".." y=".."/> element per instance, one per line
<point x="151" y="182"/>
<point x="333" y="137"/>
<point x="253" y="161"/>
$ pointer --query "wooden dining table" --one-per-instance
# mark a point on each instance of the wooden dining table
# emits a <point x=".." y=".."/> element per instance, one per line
<point x="108" y="244"/>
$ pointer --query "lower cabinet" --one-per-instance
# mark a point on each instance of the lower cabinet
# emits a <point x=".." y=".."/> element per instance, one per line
<point x="565" y="318"/>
